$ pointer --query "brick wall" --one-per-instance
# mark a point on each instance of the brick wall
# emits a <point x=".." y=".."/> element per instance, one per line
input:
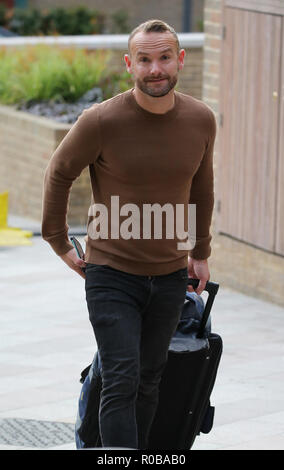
<point x="211" y="64"/>
<point x="233" y="263"/>
<point x="26" y="144"/>
<point x="212" y="53"/>
<point x="211" y="67"/>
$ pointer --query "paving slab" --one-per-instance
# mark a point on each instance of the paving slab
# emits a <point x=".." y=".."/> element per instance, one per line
<point x="46" y="340"/>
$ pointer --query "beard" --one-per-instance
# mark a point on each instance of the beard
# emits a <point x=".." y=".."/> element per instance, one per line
<point x="156" y="90"/>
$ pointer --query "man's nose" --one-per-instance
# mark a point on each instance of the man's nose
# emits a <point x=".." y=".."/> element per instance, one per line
<point x="155" y="68"/>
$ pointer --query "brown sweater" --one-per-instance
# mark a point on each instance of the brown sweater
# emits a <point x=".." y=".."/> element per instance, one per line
<point x="143" y="158"/>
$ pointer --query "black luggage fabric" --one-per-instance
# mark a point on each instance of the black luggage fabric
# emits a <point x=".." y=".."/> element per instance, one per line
<point x="184" y="408"/>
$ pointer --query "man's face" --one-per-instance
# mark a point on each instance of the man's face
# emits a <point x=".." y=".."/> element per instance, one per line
<point x="154" y="62"/>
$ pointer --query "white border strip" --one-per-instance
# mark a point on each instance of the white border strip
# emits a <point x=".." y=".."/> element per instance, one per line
<point x="100" y="41"/>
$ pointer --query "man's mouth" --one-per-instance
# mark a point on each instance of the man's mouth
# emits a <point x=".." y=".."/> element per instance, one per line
<point x="156" y="80"/>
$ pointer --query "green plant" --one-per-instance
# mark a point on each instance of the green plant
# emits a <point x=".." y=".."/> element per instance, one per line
<point x="80" y="20"/>
<point x="200" y="25"/>
<point x="2" y="15"/>
<point x="115" y="83"/>
<point x="25" y="22"/>
<point x="120" y="22"/>
<point x="57" y="20"/>
<point x="42" y="72"/>
<point x="87" y="21"/>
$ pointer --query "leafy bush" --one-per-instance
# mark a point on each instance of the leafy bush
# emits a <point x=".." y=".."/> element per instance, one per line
<point x="2" y="15"/>
<point x="200" y="25"/>
<point x="115" y="83"/>
<point x="120" y="22"/>
<point x="72" y="22"/>
<point x="58" y="20"/>
<point x="75" y="21"/>
<point x="44" y="72"/>
<point x="25" y="22"/>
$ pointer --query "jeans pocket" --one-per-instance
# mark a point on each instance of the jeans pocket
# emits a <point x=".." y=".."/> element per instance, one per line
<point x="93" y="275"/>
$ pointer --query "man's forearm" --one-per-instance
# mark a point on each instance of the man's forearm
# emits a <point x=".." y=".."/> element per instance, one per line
<point x="54" y="211"/>
<point x="80" y="147"/>
<point x="202" y="195"/>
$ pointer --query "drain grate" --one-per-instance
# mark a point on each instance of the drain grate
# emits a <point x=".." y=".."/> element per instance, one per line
<point x="33" y="433"/>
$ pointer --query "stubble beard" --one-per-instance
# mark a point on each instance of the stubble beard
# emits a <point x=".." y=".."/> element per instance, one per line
<point x="156" y="91"/>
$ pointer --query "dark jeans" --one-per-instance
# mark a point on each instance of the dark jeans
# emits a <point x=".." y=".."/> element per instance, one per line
<point x="134" y="318"/>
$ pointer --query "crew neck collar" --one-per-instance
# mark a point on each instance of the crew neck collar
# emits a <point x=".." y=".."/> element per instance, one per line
<point x="160" y="116"/>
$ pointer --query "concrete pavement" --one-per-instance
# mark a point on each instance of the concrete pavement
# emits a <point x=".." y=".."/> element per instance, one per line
<point x="46" y="340"/>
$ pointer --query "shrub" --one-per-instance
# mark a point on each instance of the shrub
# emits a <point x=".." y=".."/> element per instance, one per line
<point x="44" y="72"/>
<point x="71" y="21"/>
<point x="58" y="20"/>
<point x="120" y="22"/>
<point x="115" y="83"/>
<point x="25" y="22"/>
<point x="2" y="15"/>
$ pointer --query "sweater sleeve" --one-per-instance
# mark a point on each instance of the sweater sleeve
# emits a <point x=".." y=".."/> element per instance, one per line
<point x="80" y="147"/>
<point x="202" y="194"/>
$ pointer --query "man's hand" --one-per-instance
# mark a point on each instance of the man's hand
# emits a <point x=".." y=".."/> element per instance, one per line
<point x="74" y="262"/>
<point x="198" y="269"/>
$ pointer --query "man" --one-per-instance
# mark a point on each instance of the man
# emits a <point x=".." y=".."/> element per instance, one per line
<point x="148" y="147"/>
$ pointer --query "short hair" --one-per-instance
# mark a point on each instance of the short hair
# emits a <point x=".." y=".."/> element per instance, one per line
<point x="154" y="26"/>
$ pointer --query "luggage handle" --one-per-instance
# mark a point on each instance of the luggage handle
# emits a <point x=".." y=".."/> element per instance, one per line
<point x="212" y="289"/>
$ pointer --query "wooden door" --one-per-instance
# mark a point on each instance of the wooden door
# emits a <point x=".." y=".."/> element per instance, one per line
<point x="280" y="182"/>
<point x="249" y="135"/>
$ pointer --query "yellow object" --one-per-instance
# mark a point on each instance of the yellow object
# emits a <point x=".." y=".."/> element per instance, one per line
<point x="11" y="236"/>
<point x="3" y="209"/>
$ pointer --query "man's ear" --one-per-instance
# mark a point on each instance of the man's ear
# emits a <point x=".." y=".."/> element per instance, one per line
<point x="127" y="61"/>
<point x="181" y="59"/>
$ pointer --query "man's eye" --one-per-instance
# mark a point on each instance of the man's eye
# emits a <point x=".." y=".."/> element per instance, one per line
<point x="165" y="57"/>
<point x="144" y="59"/>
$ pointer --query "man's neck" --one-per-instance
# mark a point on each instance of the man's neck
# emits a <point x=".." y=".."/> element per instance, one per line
<point x="159" y="105"/>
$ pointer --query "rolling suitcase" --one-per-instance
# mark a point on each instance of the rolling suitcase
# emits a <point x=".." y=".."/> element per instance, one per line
<point x="184" y="408"/>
